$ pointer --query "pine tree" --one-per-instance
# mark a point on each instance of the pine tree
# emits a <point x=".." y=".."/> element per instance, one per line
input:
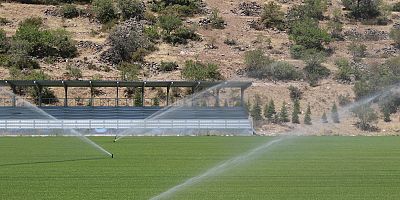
<point x="307" y="117"/>
<point x="256" y="112"/>
<point x="335" y="114"/>
<point x="265" y="110"/>
<point x="277" y="118"/>
<point x="324" y="118"/>
<point x="156" y="101"/>
<point x="271" y="111"/>
<point x="284" y="116"/>
<point x="296" y="112"/>
<point x="386" y="115"/>
<point x="138" y="99"/>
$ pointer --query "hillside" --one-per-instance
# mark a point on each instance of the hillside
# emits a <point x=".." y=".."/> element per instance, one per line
<point x="91" y="41"/>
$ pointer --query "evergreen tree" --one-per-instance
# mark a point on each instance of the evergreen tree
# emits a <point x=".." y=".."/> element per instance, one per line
<point x="335" y="114"/>
<point x="138" y="98"/>
<point x="324" y="118"/>
<point x="284" y="116"/>
<point x="271" y="111"/>
<point x="386" y="115"/>
<point x="296" y="112"/>
<point x="156" y="101"/>
<point x="307" y="117"/>
<point x="265" y="110"/>
<point x="277" y="118"/>
<point x="256" y="111"/>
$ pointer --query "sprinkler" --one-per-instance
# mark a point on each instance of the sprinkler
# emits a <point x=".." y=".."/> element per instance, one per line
<point x="112" y="155"/>
<point x="115" y="139"/>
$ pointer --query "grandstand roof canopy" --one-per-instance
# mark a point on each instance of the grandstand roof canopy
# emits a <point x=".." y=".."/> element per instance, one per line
<point x="104" y="83"/>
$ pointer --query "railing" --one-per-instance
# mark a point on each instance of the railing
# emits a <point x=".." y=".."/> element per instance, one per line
<point x="126" y="124"/>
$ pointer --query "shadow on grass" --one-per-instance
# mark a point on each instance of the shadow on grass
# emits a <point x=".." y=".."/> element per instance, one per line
<point x="52" y="161"/>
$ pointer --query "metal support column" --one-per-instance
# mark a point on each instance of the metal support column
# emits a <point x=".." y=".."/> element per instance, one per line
<point x="40" y="94"/>
<point x="241" y="96"/>
<point x="14" y="96"/>
<point x="65" y="95"/>
<point x="217" y="98"/>
<point x="117" y="103"/>
<point x="168" y="95"/>
<point x="143" y="94"/>
<point x="91" y="94"/>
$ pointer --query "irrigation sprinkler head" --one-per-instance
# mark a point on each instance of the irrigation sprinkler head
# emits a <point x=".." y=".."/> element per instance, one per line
<point x="112" y="155"/>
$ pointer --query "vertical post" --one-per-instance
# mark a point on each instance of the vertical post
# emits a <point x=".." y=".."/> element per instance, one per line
<point x="193" y="98"/>
<point x="241" y="96"/>
<point x="40" y="95"/>
<point x="65" y="96"/>
<point x="14" y="99"/>
<point x="168" y="95"/>
<point x="117" y="103"/>
<point x="91" y="96"/>
<point x="217" y="98"/>
<point x="143" y="95"/>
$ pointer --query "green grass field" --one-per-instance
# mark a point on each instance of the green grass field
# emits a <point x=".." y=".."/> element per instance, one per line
<point x="297" y="168"/>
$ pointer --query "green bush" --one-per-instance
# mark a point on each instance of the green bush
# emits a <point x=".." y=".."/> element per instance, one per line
<point x="32" y="21"/>
<point x="363" y="9"/>
<point x="195" y="70"/>
<point x="152" y="33"/>
<point x="313" y="9"/>
<point x="131" y="8"/>
<point x="297" y="51"/>
<point x="395" y="35"/>
<point x="396" y="7"/>
<point x="69" y="11"/>
<point x="314" y="70"/>
<point x="169" y="22"/>
<point x="52" y="2"/>
<point x="74" y="72"/>
<point x="168" y="66"/>
<point x="4" y="43"/>
<point x="180" y="7"/>
<point x="182" y="35"/>
<point x="104" y="10"/>
<point x="307" y="33"/>
<point x="216" y="20"/>
<point x="346" y="71"/>
<point x="44" y="43"/>
<point x="357" y="50"/>
<point x="18" y="56"/>
<point x="272" y="15"/>
<point x="260" y="66"/>
<point x="129" y="72"/>
<point x="295" y="93"/>
<point x="366" y="115"/>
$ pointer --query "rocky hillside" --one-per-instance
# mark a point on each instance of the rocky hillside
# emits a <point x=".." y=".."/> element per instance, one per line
<point x="219" y="32"/>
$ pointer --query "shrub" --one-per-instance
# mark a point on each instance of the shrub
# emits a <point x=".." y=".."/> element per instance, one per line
<point x="181" y="36"/>
<point x="181" y="7"/>
<point x="69" y="11"/>
<point x="296" y="112"/>
<point x="335" y="24"/>
<point x="32" y="21"/>
<point x="4" y="21"/>
<point x="43" y="43"/>
<point x="131" y="8"/>
<point x="308" y="34"/>
<point x="366" y="115"/>
<point x="152" y="33"/>
<point x="74" y="72"/>
<point x="396" y="7"/>
<point x="344" y="99"/>
<point x="297" y="51"/>
<point x="4" y="43"/>
<point x="295" y="93"/>
<point x="104" y="10"/>
<point x="314" y="69"/>
<point x="19" y="55"/>
<point x="363" y="9"/>
<point x="335" y="114"/>
<point x="357" y="50"/>
<point x="126" y="39"/>
<point x="139" y="54"/>
<point x="346" y="71"/>
<point x="230" y="42"/>
<point x="168" y="66"/>
<point x="307" y="116"/>
<point x="129" y="72"/>
<point x="395" y="35"/>
<point x="217" y="21"/>
<point x="272" y="16"/>
<point x="313" y="9"/>
<point x="255" y="62"/>
<point x="284" y="71"/>
<point x="169" y="22"/>
<point x="195" y="70"/>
